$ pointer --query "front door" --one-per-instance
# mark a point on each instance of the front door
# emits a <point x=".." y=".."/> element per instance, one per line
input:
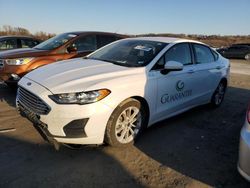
<point x="84" y="46"/>
<point x="176" y="90"/>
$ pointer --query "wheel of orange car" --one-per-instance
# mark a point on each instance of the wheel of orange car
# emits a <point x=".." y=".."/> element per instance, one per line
<point x="126" y="123"/>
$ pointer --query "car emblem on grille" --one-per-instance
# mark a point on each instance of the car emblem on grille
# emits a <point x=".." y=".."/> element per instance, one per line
<point x="29" y="84"/>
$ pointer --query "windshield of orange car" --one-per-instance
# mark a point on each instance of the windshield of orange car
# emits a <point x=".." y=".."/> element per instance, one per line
<point x="55" y="42"/>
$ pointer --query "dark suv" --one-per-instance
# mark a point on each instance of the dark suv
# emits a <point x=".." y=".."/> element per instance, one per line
<point x="236" y="51"/>
<point x="13" y="42"/>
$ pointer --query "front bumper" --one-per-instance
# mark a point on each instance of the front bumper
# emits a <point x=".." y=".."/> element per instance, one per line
<point x="12" y="73"/>
<point x="244" y="152"/>
<point x="60" y="115"/>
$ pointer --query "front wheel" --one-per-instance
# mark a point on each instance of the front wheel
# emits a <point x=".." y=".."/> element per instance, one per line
<point x="126" y="123"/>
<point x="219" y="94"/>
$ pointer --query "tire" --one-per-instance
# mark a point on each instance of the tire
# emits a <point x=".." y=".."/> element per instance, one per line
<point x="219" y="94"/>
<point x="247" y="57"/>
<point x="119" y="127"/>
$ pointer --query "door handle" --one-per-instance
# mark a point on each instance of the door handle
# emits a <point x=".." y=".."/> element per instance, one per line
<point x="190" y="71"/>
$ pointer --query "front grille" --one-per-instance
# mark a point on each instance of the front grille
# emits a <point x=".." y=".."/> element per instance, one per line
<point x="1" y="63"/>
<point x="32" y="102"/>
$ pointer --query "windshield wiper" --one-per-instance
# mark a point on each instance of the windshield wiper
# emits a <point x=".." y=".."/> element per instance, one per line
<point x="109" y="61"/>
<point x="113" y="62"/>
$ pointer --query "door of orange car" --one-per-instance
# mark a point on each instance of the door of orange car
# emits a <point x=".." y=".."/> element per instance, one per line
<point x="81" y="47"/>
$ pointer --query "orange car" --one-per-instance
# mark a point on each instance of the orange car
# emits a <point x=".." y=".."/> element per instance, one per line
<point x="16" y="63"/>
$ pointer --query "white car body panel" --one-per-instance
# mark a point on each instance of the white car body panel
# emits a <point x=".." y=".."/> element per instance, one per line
<point x="244" y="151"/>
<point x="80" y="74"/>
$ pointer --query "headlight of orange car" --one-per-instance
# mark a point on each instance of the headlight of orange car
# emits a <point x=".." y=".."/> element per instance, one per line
<point x="19" y="61"/>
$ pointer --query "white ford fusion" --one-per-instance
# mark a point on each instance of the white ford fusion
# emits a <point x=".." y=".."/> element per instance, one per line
<point x="114" y="93"/>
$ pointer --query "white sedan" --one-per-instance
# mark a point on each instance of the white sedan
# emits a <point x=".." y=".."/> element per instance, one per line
<point x="114" y="93"/>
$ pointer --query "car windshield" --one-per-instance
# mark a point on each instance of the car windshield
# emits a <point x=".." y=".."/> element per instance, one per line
<point x="55" y="42"/>
<point x="129" y="53"/>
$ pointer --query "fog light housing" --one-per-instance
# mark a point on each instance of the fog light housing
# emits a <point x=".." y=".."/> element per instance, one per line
<point x="75" y="128"/>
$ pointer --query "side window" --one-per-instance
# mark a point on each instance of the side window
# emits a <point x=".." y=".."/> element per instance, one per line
<point x="103" y="40"/>
<point x="8" y="44"/>
<point x="86" y="43"/>
<point x="180" y="53"/>
<point x="216" y="56"/>
<point x="28" y="43"/>
<point x="203" y="54"/>
<point x="233" y="48"/>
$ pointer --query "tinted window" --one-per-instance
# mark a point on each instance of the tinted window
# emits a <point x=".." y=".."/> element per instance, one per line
<point x="233" y="48"/>
<point x="8" y="44"/>
<point x="103" y="40"/>
<point x="86" y="43"/>
<point x="28" y="43"/>
<point x="129" y="53"/>
<point x="203" y="54"/>
<point x="179" y="53"/>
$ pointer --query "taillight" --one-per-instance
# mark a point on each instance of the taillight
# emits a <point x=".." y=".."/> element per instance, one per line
<point x="248" y="114"/>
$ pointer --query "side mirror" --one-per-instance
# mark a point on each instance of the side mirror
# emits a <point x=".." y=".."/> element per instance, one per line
<point x="172" y="66"/>
<point x="71" y="49"/>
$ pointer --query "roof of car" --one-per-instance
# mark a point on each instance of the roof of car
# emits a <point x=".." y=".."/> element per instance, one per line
<point x="165" y="39"/>
<point x="16" y="36"/>
<point x="92" y="32"/>
<point x="241" y="44"/>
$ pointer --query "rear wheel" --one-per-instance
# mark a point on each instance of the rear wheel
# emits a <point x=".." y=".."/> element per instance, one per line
<point x="247" y="57"/>
<point x="126" y="123"/>
<point x="219" y="94"/>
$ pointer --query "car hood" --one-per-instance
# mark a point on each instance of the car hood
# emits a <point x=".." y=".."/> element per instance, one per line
<point x="78" y="75"/>
<point x="22" y="52"/>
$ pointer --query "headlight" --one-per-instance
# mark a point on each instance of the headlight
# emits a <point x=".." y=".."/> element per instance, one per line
<point x="81" y="97"/>
<point x="20" y="61"/>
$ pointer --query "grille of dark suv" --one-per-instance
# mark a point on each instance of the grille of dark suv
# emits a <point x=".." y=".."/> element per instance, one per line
<point x="32" y="102"/>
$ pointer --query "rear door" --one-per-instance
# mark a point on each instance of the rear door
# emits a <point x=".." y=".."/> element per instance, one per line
<point x="103" y="40"/>
<point x="232" y="52"/>
<point x="84" y="45"/>
<point x="243" y="51"/>
<point x="208" y="70"/>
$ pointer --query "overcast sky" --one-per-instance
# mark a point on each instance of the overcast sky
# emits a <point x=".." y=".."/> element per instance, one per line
<point x="224" y="17"/>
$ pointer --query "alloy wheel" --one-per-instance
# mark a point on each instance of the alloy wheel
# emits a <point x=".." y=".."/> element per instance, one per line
<point x="128" y="124"/>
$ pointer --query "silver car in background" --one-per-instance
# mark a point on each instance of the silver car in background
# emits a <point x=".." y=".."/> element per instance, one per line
<point x="244" y="151"/>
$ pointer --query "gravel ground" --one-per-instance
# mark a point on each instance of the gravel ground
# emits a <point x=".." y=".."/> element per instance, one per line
<point x="196" y="149"/>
